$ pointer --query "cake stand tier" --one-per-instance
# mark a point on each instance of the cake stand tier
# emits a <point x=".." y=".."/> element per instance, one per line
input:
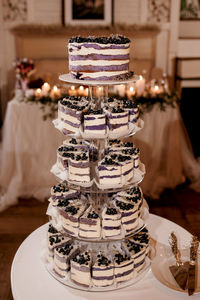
<point x="94" y="187"/>
<point x="68" y="78"/>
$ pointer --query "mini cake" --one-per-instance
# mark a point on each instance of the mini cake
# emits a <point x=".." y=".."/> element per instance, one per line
<point x="132" y="109"/>
<point x="55" y="240"/>
<point x="62" y="257"/>
<point x="81" y="269"/>
<point x="109" y="171"/>
<point x="70" y="112"/>
<point x="94" y="122"/>
<point x="142" y="238"/>
<point x="63" y="155"/>
<point x="99" y="58"/>
<point x="117" y="120"/>
<point x="102" y="271"/>
<point x="90" y="224"/>
<point x="70" y="217"/>
<point x="126" y="162"/>
<point x="132" y="196"/>
<point x="129" y="214"/>
<point x="123" y="267"/>
<point x="62" y="191"/>
<point x="137" y="253"/>
<point x="111" y="222"/>
<point x="79" y="167"/>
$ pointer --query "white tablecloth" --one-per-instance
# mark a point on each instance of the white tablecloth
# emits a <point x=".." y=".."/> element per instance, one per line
<point x="29" y="150"/>
<point x="30" y="280"/>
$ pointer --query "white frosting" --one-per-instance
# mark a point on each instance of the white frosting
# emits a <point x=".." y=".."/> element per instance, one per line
<point x="98" y="62"/>
<point x="80" y="171"/>
<point x="81" y="277"/>
<point x="60" y="272"/>
<point x="121" y="268"/>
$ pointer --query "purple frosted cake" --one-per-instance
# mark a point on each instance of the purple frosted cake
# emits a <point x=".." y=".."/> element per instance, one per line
<point x="99" y="58"/>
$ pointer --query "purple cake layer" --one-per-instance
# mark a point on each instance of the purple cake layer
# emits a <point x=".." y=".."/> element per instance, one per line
<point x="88" y="221"/>
<point x="96" y="127"/>
<point x="72" y="124"/>
<point x="104" y="168"/>
<point x="140" y="263"/>
<point x="99" y="57"/>
<point x="111" y="227"/>
<point x="90" y="118"/>
<point x="100" y="78"/>
<point x="110" y="176"/>
<point x="79" y="164"/>
<point x="103" y="277"/>
<point x="116" y="126"/>
<point x="117" y="115"/>
<point x="90" y="69"/>
<point x="58" y="273"/>
<point x="123" y="274"/>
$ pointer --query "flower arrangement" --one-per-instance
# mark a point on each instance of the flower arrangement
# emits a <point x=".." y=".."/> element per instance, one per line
<point x="23" y="67"/>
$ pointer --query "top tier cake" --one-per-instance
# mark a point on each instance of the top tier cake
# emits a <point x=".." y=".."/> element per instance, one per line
<point x="99" y="58"/>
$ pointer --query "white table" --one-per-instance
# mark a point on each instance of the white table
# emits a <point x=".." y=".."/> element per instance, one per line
<point x="29" y="148"/>
<point x="30" y="280"/>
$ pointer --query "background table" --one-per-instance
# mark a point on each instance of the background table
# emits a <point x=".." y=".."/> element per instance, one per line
<point x="29" y="148"/>
<point x="30" y="280"/>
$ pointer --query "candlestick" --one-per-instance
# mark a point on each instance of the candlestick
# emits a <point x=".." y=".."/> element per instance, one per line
<point x="130" y="92"/>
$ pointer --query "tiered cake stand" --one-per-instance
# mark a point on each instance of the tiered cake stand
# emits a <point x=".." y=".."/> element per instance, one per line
<point x="99" y="194"/>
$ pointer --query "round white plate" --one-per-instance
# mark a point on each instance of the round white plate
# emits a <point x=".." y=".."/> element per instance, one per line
<point x="70" y="79"/>
<point x="160" y="269"/>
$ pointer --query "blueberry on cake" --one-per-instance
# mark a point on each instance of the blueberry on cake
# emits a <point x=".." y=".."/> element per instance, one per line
<point x="102" y="271"/>
<point x="117" y="120"/>
<point x="62" y="257"/>
<point x="99" y="58"/>
<point x="70" y="111"/>
<point x="62" y="191"/>
<point x="81" y="269"/>
<point x="123" y="267"/>
<point x="137" y="253"/>
<point x="79" y="167"/>
<point x="90" y="226"/>
<point x="126" y="162"/>
<point x="94" y="122"/>
<point x="111" y="222"/>
<point x="142" y="238"/>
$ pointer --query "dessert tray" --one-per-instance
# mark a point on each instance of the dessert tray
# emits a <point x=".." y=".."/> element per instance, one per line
<point x="68" y="78"/>
<point x="138" y="176"/>
<point x="68" y="282"/>
<point x="133" y="128"/>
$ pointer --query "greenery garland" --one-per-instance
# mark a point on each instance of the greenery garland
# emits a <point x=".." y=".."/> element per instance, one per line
<point x="145" y="102"/>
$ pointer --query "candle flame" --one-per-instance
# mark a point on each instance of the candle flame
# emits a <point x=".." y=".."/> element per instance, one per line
<point x="55" y="88"/>
<point x="72" y="87"/>
<point x="81" y="88"/>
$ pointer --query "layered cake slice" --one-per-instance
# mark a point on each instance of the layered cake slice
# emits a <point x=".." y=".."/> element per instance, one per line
<point x="94" y="122"/>
<point x="61" y="191"/>
<point x="102" y="271"/>
<point x="137" y="253"/>
<point x="62" y="257"/>
<point x="63" y="155"/>
<point x="90" y="226"/>
<point x="99" y="58"/>
<point x="109" y="171"/>
<point x="126" y="162"/>
<point x="70" y="217"/>
<point x="70" y="111"/>
<point x="129" y="215"/>
<point x="79" y="167"/>
<point x="123" y="267"/>
<point x="55" y="240"/>
<point x="111" y="222"/>
<point x="81" y="269"/>
<point x="142" y="238"/>
<point x="117" y="120"/>
<point x="132" y="109"/>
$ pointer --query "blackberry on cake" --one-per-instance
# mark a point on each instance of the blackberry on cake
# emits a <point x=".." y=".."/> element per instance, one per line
<point x="117" y="120"/>
<point x="55" y="240"/>
<point x="102" y="271"/>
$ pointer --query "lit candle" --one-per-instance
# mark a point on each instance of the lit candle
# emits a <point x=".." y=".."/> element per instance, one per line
<point x="86" y="92"/>
<point x="45" y="88"/>
<point x="72" y="91"/>
<point x="38" y="93"/>
<point x="130" y="92"/>
<point x="140" y="86"/>
<point x="55" y="92"/>
<point x="81" y="91"/>
<point x="155" y="90"/>
<point x="99" y="91"/>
